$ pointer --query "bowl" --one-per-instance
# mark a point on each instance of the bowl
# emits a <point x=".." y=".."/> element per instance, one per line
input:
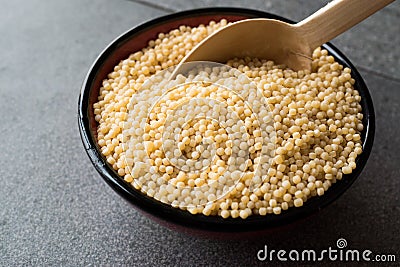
<point x="137" y="38"/>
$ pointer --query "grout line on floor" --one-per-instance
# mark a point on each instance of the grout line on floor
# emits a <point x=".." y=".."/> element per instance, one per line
<point x="377" y="73"/>
<point x="154" y="5"/>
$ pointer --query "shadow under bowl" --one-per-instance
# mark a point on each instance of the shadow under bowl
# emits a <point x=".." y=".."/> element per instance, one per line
<point x="210" y="226"/>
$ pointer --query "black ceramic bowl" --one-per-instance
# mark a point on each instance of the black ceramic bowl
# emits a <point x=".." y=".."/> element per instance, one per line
<point x="137" y="38"/>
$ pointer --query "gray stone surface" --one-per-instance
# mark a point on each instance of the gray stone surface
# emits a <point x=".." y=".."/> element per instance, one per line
<point x="56" y="211"/>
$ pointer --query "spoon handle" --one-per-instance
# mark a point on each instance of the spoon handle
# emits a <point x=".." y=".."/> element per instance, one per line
<point x="337" y="17"/>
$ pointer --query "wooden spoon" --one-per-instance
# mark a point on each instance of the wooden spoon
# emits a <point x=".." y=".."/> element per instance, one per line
<point x="284" y="43"/>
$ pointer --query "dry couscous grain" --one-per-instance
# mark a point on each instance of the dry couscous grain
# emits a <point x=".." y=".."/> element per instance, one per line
<point x="234" y="160"/>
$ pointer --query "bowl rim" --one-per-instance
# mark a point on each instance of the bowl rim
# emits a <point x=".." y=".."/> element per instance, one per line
<point x="215" y="223"/>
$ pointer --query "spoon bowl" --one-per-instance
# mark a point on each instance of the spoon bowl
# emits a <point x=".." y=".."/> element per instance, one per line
<point x="263" y="38"/>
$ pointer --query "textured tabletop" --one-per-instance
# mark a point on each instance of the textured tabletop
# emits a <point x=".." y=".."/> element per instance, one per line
<point x="56" y="210"/>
